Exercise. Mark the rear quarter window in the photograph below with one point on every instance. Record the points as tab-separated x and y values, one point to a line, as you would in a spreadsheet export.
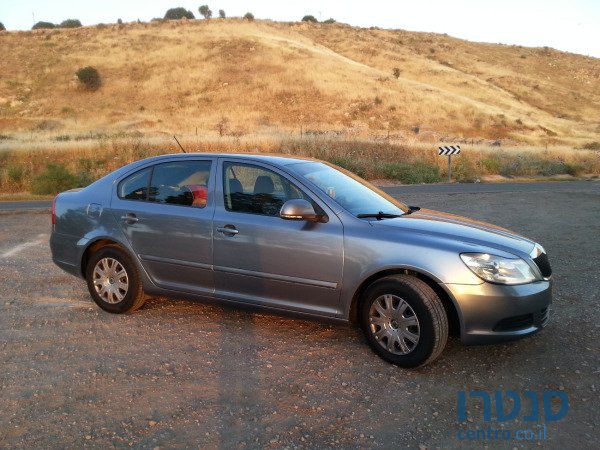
135	186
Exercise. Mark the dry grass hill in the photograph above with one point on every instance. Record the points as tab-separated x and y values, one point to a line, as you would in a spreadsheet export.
377	102
266	78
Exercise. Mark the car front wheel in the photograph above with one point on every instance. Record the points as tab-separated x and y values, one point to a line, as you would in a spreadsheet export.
114	282
404	320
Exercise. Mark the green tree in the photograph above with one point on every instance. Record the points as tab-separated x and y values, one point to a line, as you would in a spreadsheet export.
2	28
249	16
222	13
309	18
178	13
70	23
89	77
205	11
41	25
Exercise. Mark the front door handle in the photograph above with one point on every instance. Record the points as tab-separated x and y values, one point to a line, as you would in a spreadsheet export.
130	218
228	230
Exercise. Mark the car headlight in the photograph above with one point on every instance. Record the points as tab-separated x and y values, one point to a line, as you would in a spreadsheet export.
497	269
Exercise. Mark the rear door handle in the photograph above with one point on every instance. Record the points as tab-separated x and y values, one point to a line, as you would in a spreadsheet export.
228	230
130	218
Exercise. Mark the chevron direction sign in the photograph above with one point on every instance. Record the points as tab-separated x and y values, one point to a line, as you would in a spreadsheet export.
449	150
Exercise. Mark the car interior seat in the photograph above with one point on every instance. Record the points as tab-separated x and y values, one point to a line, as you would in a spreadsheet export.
264	202
236	195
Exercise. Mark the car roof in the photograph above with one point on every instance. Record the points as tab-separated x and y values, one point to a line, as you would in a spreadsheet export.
278	159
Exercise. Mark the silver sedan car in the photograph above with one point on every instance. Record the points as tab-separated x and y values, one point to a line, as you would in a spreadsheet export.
301	236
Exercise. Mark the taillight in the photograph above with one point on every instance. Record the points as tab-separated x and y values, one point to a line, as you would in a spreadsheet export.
54	210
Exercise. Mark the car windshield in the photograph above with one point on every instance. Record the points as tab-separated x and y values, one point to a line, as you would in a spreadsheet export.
351	192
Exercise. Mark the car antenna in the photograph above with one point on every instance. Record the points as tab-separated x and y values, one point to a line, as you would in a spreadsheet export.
182	149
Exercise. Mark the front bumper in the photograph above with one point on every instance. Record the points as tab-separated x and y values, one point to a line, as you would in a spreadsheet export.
491	313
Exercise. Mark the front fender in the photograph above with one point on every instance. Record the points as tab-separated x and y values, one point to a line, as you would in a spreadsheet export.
367	256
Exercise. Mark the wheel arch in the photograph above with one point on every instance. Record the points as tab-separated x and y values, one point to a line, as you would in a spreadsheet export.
93	247
449	303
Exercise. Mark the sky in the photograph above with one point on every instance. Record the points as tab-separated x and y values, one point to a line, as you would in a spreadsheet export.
568	25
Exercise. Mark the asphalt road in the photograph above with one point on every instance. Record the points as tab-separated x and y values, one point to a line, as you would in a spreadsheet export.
180	374
455	188
17	206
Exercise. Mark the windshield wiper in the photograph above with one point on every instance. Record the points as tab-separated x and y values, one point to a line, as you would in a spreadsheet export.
379	216
412	209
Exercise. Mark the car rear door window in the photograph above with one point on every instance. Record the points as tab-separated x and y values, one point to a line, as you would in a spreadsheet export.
183	183
256	190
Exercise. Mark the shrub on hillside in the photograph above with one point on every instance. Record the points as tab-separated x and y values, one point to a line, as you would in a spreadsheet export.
396	72
16	175
43	26
329	21
354	165
491	164
411	173
464	170
70	23
205	11
89	77
593	145
309	18
2	28
222	13
178	13
222	126
574	169
54	178
534	165
249	16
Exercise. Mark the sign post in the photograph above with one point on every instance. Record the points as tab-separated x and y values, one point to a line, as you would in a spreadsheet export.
449	150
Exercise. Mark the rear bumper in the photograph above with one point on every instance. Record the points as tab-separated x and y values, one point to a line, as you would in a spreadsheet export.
492	313
66	253
67	267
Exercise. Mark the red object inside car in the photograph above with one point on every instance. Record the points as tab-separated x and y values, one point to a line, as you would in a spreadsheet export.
199	193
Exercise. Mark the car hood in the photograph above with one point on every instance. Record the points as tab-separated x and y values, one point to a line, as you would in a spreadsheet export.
427	221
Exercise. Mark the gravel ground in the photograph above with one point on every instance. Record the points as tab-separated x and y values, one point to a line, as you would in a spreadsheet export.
180	374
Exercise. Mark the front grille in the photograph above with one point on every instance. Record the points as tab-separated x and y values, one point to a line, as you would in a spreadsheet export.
515	323
543	264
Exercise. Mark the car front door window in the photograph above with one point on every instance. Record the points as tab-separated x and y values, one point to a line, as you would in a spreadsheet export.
256	190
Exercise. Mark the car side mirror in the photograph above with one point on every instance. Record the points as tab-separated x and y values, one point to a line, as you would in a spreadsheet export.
299	209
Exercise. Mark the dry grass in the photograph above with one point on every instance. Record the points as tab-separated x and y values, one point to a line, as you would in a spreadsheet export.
266	78
405	163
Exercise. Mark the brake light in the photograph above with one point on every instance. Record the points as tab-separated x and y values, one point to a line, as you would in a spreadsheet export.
54	210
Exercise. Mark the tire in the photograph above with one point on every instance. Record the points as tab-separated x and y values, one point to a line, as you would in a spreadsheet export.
404	321
114	281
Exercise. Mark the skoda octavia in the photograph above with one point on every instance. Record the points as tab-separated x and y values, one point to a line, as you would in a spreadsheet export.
301	236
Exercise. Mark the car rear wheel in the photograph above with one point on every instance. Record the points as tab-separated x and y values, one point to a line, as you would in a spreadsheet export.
114	282
404	320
